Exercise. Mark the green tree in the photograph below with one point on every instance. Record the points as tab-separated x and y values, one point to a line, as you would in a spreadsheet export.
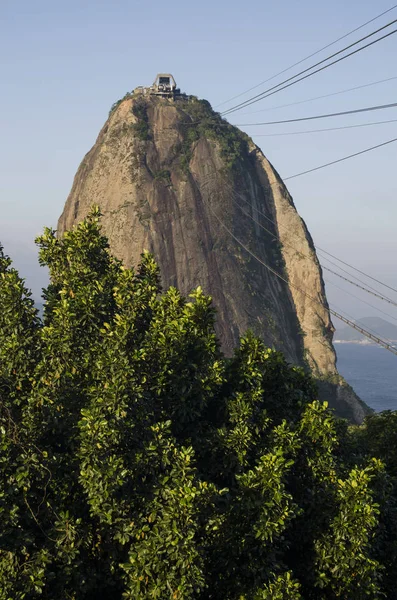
378	437
138	462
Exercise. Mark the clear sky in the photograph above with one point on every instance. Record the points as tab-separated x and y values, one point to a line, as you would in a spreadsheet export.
64	63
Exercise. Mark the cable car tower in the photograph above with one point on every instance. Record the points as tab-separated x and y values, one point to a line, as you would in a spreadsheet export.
164	86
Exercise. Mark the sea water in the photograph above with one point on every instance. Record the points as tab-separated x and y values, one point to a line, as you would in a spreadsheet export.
372	373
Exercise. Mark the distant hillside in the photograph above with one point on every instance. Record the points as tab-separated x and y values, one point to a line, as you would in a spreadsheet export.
376	325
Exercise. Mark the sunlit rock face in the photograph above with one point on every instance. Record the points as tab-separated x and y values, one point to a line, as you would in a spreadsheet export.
200	196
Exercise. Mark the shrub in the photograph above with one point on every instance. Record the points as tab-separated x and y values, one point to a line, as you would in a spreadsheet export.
118	102
138	462
141	127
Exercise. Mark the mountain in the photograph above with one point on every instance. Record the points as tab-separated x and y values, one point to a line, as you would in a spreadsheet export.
172	177
376	325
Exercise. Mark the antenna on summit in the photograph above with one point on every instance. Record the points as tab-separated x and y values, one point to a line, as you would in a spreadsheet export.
164	86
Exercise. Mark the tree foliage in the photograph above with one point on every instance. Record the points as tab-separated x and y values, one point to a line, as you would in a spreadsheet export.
138	462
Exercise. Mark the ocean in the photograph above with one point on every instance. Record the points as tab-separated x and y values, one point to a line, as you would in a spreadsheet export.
372	373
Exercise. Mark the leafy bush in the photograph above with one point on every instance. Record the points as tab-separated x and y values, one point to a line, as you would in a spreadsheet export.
209	124
138	462
118	102
163	175
141	127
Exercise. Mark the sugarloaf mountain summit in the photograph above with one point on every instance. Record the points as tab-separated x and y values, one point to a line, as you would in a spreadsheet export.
172	177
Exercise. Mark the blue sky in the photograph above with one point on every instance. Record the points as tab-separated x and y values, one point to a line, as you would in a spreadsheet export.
64	63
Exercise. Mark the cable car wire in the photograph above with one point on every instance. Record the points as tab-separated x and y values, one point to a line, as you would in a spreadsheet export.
328	282
356	269
309	56
361	287
287	133
318	248
334	162
369	335
305	254
320	256
324	116
353	89
374	292
273	90
276	237
346	314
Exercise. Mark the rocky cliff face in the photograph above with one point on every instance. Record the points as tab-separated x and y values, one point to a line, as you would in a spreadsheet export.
173	178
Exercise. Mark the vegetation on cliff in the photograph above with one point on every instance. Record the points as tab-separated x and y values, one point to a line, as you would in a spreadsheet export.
206	123
199	120
116	104
141	127
137	462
